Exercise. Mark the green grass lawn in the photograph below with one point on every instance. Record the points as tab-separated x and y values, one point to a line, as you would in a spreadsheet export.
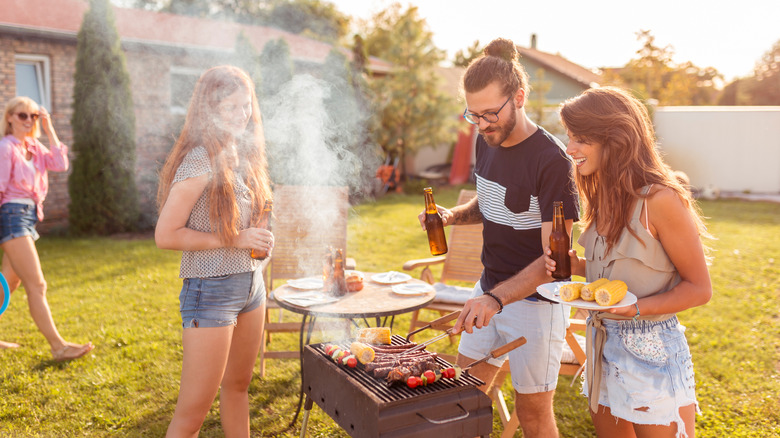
122	294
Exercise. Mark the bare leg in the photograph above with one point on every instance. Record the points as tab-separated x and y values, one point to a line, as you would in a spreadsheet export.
13	282
24	261
205	358
234	393
535	412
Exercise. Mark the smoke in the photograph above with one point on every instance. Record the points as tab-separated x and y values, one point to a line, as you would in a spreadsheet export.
312	131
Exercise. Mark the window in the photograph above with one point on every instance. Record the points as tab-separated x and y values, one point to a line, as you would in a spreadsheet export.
33	78
182	84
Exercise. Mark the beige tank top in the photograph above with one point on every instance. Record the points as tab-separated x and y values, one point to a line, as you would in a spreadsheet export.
645	268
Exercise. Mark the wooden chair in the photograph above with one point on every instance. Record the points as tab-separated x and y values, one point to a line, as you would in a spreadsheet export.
306	221
461	263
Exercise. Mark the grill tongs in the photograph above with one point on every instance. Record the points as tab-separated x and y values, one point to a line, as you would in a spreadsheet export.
439	324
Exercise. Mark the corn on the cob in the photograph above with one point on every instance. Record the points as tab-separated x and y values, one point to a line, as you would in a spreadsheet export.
571	291
587	292
363	352
374	335
611	293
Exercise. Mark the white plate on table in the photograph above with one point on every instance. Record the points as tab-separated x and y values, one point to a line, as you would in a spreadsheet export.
310	298
412	289
391	277
308	283
550	291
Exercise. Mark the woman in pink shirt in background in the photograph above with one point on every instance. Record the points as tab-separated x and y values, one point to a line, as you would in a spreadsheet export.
24	182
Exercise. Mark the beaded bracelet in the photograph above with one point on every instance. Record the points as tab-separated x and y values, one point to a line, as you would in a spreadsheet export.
498	300
637	311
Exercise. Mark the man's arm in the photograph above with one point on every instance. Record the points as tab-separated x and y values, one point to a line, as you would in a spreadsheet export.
464	214
478	311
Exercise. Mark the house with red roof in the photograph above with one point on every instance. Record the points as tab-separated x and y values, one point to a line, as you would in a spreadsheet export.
165	55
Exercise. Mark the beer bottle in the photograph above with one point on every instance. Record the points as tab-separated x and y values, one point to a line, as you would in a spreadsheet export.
327	269
434	225
265	222
560	244
339	284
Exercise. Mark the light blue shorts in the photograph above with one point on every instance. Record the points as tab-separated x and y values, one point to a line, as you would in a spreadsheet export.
535	365
217	301
17	220
646	364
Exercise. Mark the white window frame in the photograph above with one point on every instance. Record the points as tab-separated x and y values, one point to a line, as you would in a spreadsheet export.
188	71
41	63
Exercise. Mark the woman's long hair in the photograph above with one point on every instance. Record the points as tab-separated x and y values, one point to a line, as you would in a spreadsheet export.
15	105
620	123
199	129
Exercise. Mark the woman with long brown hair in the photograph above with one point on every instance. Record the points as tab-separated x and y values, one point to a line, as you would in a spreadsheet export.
212	190
641	226
24	183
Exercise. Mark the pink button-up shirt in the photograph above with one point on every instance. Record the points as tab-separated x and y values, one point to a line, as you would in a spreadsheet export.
18	180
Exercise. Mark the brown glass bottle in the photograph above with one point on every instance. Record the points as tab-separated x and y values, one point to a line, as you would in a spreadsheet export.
434	225
265	222
560	244
339	283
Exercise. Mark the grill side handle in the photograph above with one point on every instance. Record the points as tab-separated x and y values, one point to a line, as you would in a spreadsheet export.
447	420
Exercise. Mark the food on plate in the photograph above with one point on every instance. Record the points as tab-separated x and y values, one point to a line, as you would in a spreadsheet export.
363	352
588	291
374	335
571	291
611	293
354	281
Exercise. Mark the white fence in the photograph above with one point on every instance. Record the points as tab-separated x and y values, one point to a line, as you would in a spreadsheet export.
731	148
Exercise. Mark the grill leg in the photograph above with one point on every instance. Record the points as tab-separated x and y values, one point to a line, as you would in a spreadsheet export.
305	421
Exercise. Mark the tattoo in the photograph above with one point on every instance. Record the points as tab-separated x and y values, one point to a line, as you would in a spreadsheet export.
468	214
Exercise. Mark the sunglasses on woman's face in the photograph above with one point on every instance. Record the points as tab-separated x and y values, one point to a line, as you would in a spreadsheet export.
24	116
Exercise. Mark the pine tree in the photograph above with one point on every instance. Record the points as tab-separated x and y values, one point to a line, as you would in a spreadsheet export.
104	198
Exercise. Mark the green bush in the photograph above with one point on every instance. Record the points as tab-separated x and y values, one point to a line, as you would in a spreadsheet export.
104	198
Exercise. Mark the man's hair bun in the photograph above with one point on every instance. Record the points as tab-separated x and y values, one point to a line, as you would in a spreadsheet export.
502	48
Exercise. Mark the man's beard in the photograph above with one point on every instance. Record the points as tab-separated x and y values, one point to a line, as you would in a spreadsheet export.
499	132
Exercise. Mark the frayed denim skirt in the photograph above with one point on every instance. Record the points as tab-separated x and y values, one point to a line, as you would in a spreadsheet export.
647	373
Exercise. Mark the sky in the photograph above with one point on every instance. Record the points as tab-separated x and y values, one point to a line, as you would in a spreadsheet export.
728	35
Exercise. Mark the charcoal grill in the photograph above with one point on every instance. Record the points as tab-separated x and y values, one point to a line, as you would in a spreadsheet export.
365	406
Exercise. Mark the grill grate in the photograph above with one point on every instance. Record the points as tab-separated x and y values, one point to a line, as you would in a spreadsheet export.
400	391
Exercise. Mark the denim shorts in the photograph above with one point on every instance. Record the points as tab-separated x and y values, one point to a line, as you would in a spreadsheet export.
534	366
217	301
17	220
647	364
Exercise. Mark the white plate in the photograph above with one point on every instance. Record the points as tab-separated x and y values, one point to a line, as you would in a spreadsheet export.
412	289
308	299
391	277
308	283
550	291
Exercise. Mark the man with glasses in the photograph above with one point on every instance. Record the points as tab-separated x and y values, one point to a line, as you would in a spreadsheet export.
521	169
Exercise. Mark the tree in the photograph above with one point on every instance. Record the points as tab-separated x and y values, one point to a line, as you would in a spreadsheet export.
102	187
313	18
276	67
764	86
464	57
413	110
653	75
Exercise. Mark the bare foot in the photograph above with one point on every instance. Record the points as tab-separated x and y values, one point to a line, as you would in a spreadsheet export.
4	344
72	351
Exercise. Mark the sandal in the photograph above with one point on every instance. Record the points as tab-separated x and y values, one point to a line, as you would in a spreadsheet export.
72	351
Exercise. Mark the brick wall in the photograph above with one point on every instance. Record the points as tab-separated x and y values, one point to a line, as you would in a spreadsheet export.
156	126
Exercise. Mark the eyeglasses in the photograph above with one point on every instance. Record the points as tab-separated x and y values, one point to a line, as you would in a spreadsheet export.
24	116
490	117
